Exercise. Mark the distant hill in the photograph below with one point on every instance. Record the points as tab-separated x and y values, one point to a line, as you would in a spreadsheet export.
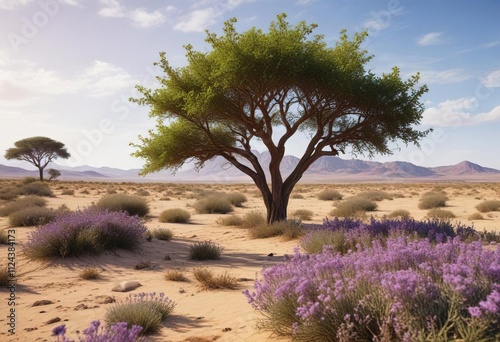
326	169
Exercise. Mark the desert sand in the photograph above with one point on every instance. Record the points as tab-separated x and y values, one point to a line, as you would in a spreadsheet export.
200	315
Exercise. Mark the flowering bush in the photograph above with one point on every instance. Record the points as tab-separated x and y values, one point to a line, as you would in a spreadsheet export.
116	333
406	291
146	310
86	232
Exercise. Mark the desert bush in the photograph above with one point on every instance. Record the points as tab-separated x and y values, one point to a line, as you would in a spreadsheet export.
146	310
329	195
176	215
375	195
133	205
175	275
475	216
162	234
400	213
303	214
29	180
90	273
290	229
9	193
230	220
432	199
489	205
440	214
205	250
22	203
68	192
213	205
37	189
352	206
377	293
253	218
142	192
32	216
297	196
116	332
86	232
236	199
4	276
143	264
210	281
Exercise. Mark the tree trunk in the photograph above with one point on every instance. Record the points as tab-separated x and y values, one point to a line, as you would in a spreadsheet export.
40	170
276	205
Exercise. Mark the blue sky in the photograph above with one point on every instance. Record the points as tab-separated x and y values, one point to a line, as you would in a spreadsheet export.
68	67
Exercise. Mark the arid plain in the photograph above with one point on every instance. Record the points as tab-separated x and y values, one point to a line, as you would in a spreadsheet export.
199	315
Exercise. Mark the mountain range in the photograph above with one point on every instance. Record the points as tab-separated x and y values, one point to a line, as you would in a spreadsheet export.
326	169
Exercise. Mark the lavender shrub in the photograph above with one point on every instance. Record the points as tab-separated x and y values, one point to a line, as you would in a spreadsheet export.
116	333
86	232
404	291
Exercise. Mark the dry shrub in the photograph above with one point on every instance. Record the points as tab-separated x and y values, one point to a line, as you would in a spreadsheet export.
22	203
433	199
164	234
440	214
487	206
210	281
175	275
253	218
175	215
230	220
205	250
475	216
37	189
375	195
290	229
236	199
133	205
213	205
400	213
68	192
303	214
32	216
90	273
329	195
353	206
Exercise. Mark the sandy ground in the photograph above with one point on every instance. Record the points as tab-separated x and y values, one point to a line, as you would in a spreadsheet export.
200	315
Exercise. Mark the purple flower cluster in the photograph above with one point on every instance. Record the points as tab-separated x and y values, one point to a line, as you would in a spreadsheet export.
116	333
86	232
399	290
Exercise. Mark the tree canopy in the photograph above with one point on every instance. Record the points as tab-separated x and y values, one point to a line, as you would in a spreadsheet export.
39	151
249	84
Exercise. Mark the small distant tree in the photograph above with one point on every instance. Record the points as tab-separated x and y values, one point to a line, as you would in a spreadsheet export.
39	151
53	173
267	87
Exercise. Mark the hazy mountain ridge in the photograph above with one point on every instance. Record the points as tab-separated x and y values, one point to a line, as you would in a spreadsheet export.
324	169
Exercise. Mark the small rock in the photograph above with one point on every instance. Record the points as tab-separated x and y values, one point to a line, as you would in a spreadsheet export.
105	300
226	329
167	257
53	320
181	290
81	307
42	302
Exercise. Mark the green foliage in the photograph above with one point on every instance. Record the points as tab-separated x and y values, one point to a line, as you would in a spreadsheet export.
303	214
213	205
176	215
32	216
329	195
246	84
211	281
133	205
37	189
487	206
39	151
22	203
353	206
433	199
205	250
54	174
163	234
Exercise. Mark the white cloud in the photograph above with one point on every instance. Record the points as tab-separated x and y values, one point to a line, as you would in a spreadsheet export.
443	77
455	113
140	17
22	82
11	4
492	80
433	38
198	20
492	44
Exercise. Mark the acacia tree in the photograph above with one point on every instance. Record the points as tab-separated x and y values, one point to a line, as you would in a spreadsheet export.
39	151
267	86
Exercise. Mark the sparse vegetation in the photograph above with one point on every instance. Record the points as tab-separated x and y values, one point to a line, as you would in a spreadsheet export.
253	218
90	273
213	205
175	275
211	281
440	214
176	215
162	234
375	195
475	216
236	199
433	199
400	213
489	205
290	229
205	250
37	189
329	195
353	206
68	192
147	310
133	205
32	216
230	220
303	214
22	203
